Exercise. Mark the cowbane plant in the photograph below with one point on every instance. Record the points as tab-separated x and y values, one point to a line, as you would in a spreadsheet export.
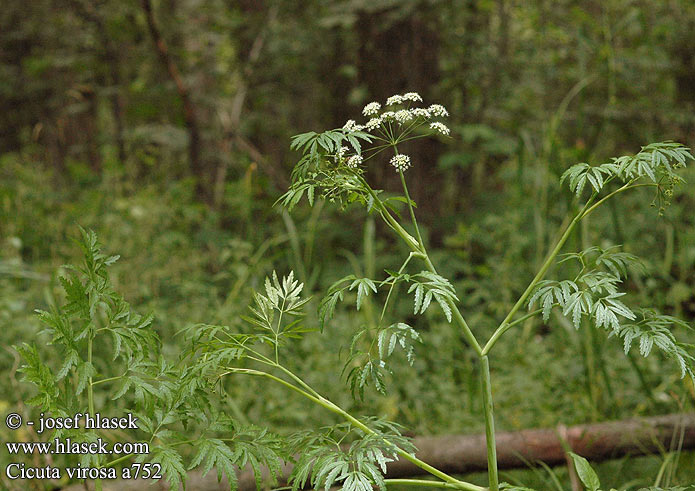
593	295
353	454
333	167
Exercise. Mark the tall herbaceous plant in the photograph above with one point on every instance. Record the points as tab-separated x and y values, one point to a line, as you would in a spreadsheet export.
332	167
169	398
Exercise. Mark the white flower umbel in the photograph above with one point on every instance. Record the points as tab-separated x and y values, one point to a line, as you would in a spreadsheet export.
438	110
350	125
401	162
403	116
373	124
340	155
388	116
371	109
412	96
394	99
354	161
440	128
421	112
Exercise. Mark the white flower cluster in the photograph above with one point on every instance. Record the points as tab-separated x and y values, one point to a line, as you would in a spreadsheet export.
394	99
440	127
412	96
354	161
403	116
401	162
400	99
373	123
438	110
341	153
371	109
350	125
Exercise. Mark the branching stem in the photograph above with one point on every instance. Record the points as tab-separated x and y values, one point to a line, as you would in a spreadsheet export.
539	276
325	403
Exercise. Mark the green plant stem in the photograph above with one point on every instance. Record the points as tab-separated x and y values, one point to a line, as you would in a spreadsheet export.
467	332
391	288
588	208
90	394
105	380
420	482
489	424
120	459
539	276
505	327
325	403
627	186
410	207
390	221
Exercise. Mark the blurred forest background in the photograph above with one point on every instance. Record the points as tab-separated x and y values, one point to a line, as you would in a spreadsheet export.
164	125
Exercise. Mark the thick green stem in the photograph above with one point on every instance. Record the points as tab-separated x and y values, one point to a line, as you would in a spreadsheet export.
539	276
489	424
588	208
392	222
325	403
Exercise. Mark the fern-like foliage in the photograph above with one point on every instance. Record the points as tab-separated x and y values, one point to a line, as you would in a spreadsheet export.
284	300
427	286
167	398
594	294
652	329
657	162
242	445
336	293
320	171
653	161
396	334
370	368
325	461
90	304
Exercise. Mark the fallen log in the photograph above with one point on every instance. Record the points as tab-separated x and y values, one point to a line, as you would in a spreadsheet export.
461	454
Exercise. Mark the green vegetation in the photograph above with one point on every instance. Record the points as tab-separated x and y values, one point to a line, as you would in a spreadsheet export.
169	141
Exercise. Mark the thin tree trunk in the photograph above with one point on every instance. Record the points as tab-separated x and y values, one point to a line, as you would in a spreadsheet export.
190	116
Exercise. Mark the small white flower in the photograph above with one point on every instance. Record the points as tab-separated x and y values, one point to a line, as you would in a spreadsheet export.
403	116
421	112
440	127
373	123
371	108
438	110
401	162
354	161
341	153
388	116
358	127
349	125
394	99
412	96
